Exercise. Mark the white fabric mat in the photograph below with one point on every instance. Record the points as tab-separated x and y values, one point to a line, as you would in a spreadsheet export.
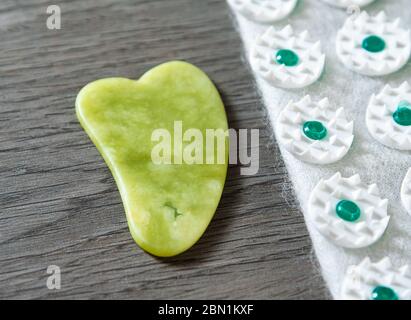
374	162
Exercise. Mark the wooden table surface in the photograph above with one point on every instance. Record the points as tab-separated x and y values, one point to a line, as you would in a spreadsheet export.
59	203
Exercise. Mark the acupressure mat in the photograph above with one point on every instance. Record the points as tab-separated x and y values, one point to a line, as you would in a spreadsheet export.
374	162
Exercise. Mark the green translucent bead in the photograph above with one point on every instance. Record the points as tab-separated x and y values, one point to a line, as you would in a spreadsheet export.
373	44
287	57
348	211
315	130
384	293
403	114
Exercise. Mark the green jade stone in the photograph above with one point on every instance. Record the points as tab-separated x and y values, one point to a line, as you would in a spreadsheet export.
403	114
348	211
287	57
373	44
168	206
314	130
384	293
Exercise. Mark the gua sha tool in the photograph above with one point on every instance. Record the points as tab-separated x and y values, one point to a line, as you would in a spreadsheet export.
388	117
348	212
315	132
377	281
406	192
348	3
287	60
373	45
168	206
264	11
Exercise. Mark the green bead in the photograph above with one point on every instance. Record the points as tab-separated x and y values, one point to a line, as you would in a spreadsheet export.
315	130
287	57
384	293
403	114
373	44
348	211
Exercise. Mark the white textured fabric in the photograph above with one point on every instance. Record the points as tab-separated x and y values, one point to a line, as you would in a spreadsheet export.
367	157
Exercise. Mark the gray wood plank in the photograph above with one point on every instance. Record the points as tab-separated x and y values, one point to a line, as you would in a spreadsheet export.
59	203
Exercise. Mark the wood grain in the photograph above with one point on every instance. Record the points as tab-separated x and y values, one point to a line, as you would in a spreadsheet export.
59	203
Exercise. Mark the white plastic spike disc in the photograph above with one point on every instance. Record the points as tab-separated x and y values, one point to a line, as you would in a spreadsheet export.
370	281
348	3
373	45
380	117
406	192
264	11
294	120
267	48
347	194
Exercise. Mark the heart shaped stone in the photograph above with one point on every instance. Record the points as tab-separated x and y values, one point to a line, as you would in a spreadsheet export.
168	205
